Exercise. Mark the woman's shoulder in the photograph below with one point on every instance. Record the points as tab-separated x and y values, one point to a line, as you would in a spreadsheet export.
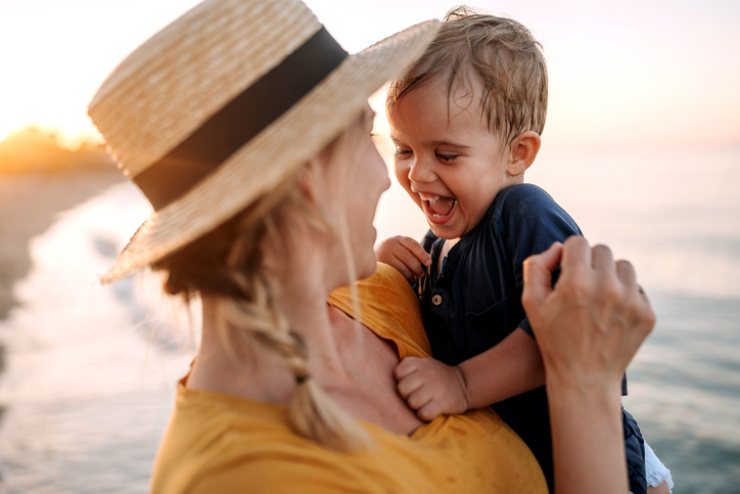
220	443
386	304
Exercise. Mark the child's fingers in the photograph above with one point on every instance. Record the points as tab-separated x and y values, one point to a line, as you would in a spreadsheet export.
405	254
417	250
409	261
407	366
429	411
418	399
409	385
403	269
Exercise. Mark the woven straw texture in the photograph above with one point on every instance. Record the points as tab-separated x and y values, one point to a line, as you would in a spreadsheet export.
171	84
151	103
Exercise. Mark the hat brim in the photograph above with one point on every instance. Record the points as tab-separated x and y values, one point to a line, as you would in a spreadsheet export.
288	143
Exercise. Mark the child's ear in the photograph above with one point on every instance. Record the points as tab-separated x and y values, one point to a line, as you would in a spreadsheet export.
523	151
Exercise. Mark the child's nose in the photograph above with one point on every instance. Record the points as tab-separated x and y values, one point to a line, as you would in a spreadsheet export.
420	171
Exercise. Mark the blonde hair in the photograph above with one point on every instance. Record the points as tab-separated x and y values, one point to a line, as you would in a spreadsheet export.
228	262
502	53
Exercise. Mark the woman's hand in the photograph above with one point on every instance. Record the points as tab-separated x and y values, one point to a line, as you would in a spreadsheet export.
590	325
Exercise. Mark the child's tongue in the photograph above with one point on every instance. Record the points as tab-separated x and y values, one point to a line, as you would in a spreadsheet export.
442	206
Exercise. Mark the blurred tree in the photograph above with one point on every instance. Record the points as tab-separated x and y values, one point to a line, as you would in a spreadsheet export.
34	150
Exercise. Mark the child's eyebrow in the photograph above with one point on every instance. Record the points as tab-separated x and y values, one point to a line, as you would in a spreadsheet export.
434	143
448	143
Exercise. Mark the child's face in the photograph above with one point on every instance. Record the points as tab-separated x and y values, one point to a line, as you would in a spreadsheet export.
451	165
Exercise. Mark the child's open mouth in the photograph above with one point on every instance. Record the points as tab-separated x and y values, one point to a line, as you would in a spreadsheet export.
438	209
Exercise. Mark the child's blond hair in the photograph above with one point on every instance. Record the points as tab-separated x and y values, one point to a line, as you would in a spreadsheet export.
502	53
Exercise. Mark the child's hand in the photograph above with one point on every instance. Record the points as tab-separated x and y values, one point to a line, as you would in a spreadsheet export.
405	254
430	387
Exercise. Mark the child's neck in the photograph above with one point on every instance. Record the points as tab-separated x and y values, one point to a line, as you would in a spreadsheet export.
448	244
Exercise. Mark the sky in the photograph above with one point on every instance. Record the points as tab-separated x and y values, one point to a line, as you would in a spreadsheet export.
627	72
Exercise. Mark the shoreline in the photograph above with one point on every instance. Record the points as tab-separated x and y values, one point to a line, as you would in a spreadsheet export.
29	205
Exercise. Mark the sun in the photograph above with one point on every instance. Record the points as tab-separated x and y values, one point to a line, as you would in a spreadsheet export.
7	129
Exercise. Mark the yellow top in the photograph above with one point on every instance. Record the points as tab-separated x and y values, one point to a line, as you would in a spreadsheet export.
217	443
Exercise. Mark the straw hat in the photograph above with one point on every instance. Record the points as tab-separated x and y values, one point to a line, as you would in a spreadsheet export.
221	105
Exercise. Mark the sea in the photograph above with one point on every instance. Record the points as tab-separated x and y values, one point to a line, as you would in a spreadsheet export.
90	370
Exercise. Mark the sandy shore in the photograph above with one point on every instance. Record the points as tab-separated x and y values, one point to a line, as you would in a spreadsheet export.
29	205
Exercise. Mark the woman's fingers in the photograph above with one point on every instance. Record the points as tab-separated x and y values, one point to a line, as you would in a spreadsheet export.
602	259
576	255
538	271
595	309
642	311
626	273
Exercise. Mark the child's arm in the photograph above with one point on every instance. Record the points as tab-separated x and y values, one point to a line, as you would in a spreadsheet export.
405	254
430	387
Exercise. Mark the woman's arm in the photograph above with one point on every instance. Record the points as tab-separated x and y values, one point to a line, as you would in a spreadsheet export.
588	327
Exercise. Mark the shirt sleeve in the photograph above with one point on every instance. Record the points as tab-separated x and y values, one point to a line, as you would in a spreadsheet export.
531	222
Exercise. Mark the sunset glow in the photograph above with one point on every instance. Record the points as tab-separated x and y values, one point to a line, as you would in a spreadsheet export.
620	73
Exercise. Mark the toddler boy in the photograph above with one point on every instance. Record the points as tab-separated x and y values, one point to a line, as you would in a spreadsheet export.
466	121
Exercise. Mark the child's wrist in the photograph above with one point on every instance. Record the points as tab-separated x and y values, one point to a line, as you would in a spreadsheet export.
463	381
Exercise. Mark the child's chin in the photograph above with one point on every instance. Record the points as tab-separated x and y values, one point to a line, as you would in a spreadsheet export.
444	233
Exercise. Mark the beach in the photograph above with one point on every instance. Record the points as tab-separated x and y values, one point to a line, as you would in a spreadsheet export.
29	205
91	370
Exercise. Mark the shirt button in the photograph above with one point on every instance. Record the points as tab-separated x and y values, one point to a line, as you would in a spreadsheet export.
436	299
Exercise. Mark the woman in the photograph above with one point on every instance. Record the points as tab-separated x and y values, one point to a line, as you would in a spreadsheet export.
247	128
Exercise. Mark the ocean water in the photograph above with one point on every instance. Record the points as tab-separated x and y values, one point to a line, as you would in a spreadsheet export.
90	370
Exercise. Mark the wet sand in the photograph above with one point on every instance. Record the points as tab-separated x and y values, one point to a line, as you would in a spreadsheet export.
29	205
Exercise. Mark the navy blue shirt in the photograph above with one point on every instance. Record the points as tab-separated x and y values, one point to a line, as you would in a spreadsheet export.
474	301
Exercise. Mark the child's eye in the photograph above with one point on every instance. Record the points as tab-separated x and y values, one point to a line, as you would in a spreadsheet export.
402	153
447	157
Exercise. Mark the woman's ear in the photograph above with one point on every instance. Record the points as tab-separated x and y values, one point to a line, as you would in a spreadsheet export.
312	177
523	151
307	180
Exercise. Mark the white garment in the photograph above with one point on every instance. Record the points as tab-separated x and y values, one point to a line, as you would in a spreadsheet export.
655	471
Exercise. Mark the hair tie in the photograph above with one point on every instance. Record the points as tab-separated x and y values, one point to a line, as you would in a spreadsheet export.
302	378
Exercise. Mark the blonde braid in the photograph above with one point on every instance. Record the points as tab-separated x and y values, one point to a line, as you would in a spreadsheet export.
312	413
228	263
